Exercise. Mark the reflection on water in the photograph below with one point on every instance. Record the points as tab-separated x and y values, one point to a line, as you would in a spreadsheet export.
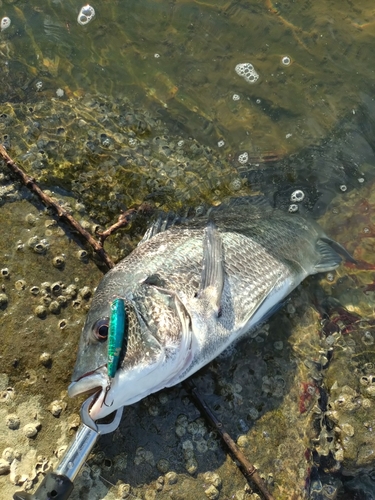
144	102
181	56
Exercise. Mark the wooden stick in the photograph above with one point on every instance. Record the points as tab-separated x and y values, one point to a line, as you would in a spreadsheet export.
247	468
30	183
124	220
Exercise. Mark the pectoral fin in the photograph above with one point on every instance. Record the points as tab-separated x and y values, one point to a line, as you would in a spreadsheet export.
212	277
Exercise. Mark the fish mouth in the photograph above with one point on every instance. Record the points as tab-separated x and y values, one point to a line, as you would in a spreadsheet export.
97	383
89	383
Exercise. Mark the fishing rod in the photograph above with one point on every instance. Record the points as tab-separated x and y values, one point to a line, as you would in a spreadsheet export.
59	485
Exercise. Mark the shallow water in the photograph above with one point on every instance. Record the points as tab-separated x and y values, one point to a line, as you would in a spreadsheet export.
138	104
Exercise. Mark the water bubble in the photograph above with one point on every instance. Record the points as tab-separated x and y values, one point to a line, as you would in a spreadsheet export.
293	208
86	14
343	188
5	23
361	180
297	195
286	61
156	56
221	144
236	97
243	158
258	101
39	86
59	92
247	71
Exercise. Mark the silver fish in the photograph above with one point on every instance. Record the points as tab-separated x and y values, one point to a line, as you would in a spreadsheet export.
192	289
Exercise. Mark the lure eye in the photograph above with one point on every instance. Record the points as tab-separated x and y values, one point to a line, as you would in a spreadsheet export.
100	330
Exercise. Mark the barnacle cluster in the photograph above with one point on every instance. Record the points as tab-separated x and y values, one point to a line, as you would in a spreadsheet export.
111	156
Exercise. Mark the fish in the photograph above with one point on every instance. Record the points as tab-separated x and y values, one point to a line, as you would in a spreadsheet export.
188	290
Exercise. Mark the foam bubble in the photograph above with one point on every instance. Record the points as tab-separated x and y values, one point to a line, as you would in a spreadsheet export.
293	208
286	61
247	71
243	158
86	14
297	195
5	23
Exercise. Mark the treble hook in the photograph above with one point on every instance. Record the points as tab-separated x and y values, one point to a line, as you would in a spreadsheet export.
106	392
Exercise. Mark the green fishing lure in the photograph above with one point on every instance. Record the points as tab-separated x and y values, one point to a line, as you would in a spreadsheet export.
116	335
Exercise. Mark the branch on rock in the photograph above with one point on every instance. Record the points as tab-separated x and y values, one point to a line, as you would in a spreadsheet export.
30	183
247	468
124	219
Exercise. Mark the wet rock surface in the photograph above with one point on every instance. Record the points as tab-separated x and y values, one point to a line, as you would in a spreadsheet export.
112	156
297	395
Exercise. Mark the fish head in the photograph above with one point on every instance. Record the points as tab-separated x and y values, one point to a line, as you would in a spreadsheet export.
154	350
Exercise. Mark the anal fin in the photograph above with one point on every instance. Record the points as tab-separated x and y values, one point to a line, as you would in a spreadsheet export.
329	258
339	249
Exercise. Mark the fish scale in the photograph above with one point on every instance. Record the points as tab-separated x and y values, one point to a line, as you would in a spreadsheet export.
191	290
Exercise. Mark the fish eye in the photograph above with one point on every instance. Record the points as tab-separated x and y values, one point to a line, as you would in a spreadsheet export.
100	329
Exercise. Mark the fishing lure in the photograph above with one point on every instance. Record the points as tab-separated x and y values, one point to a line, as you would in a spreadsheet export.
116	335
